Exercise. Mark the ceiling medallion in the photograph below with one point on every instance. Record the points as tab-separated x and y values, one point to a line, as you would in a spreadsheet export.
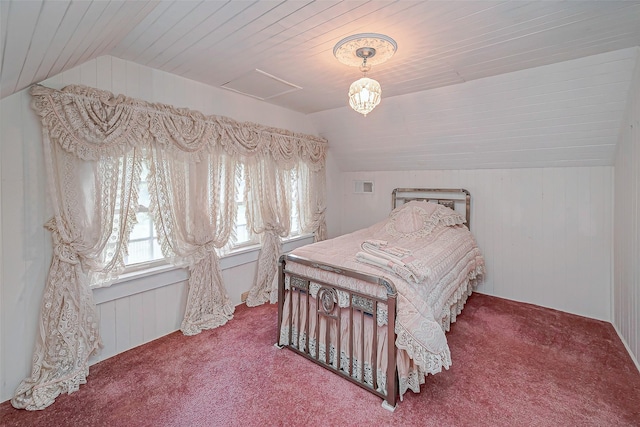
365	50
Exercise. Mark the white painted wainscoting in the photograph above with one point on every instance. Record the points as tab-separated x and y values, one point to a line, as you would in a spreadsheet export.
143	307
546	233
626	284
127	320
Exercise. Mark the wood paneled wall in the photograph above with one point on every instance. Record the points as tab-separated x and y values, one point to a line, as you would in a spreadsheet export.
26	247
142	317
546	233
626	285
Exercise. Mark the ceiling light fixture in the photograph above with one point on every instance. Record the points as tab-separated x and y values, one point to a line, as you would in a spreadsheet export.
365	50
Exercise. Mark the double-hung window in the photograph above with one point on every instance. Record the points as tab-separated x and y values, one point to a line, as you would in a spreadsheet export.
144	249
244	236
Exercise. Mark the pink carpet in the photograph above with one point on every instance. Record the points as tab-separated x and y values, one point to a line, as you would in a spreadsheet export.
514	364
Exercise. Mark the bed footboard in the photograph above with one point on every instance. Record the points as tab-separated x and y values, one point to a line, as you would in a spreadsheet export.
349	332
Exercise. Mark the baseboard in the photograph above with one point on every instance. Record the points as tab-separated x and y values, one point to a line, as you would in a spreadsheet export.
624	342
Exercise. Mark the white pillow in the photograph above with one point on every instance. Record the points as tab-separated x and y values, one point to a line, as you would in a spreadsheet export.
419	218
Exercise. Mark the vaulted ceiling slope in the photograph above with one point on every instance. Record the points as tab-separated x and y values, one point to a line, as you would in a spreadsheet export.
565	114
487	84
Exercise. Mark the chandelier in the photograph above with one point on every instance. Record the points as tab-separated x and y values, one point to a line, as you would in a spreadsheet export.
365	50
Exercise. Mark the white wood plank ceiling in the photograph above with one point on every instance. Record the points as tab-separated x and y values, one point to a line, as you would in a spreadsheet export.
565	114
440	43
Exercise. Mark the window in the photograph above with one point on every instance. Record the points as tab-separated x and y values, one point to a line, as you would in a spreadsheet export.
143	240
244	237
144	249
295	204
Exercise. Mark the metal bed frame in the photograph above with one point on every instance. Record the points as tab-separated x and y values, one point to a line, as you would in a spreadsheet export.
325	308
360	304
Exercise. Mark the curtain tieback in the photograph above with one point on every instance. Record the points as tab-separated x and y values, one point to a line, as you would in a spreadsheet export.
64	251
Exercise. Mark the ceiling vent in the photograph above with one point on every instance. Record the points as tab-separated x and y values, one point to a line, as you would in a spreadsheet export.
260	85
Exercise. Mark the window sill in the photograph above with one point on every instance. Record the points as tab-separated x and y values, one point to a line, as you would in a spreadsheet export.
147	279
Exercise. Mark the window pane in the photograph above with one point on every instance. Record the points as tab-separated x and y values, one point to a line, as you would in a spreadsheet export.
242	234
144	228
241	217
143	251
143	193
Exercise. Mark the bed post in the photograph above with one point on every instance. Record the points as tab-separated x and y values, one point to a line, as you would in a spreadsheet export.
467	200
392	380
281	284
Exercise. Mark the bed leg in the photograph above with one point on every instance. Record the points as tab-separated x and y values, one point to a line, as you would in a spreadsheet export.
386	405
278	346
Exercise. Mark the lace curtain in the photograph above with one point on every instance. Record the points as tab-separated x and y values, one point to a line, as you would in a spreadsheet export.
95	145
191	203
272	194
269	215
312	203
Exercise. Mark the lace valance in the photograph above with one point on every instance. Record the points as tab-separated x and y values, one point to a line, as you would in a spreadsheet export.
93	123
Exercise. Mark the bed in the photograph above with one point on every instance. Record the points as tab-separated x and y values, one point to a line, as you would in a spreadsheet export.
373	306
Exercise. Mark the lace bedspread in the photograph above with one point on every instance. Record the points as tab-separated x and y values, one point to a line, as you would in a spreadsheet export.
425	309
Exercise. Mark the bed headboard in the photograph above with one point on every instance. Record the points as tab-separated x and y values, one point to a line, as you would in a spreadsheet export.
457	199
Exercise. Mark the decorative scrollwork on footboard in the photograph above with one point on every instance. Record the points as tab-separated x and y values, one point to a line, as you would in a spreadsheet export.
327	298
299	282
362	303
391	290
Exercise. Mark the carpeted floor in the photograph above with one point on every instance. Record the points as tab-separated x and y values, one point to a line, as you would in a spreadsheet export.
514	364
